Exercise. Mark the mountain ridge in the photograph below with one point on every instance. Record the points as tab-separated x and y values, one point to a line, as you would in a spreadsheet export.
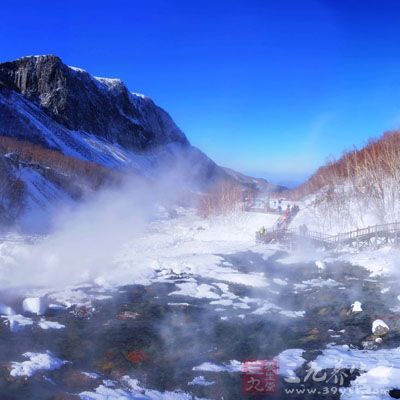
48	105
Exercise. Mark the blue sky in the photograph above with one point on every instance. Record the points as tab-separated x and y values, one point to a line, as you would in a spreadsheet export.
270	88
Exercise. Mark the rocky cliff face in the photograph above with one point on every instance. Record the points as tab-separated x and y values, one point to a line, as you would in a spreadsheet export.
81	102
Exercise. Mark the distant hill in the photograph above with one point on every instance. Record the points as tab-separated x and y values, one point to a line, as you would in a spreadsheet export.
258	184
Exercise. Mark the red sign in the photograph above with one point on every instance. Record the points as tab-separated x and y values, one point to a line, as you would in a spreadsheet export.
260	376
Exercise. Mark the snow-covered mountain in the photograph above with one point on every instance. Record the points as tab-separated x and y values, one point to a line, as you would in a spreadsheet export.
58	122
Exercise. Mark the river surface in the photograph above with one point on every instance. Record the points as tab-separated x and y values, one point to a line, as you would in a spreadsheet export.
164	333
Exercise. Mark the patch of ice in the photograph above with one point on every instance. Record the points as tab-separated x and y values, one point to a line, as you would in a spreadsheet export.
222	302
232	366
316	283
36	362
265	308
380	370
356	307
34	305
17	322
373	385
378	262
280	282
130	389
364	360
91	375
242	306
192	289
292	314
44	324
200	380
288	361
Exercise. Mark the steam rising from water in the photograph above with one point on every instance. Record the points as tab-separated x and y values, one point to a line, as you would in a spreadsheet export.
85	239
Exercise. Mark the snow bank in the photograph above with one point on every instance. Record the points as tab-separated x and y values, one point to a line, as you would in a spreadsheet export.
381	370
356	307
192	289
312	283
364	360
129	389
34	305
383	261
36	362
321	216
279	282
201	381
17	322
44	324
373	385
288	361
232	366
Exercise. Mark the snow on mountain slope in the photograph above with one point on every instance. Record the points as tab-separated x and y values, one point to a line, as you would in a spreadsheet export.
80	102
45	103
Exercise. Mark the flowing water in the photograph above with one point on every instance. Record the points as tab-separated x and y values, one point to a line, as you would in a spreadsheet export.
158	338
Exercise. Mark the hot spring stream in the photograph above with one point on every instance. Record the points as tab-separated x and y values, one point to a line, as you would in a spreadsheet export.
194	340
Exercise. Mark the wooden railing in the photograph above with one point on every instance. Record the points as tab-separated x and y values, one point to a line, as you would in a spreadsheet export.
391	227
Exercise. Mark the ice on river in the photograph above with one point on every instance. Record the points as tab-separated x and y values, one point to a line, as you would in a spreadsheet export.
45	324
128	388
288	360
36	362
380	370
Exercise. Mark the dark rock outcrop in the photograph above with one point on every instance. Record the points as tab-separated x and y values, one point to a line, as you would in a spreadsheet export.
80	102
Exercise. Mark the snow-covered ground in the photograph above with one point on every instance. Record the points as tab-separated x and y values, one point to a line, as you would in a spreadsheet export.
190	252
186	244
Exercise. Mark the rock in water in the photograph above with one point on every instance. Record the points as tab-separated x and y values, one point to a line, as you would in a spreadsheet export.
379	328
320	265
356	307
394	393
34	305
